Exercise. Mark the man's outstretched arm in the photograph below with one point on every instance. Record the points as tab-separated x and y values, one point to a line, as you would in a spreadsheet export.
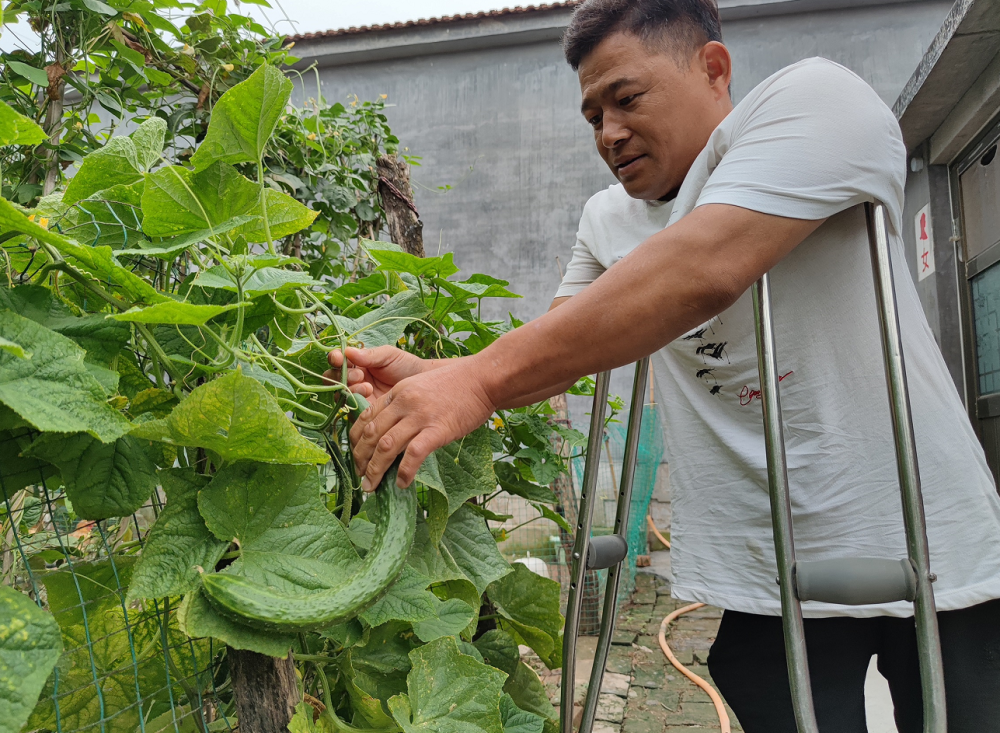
675	280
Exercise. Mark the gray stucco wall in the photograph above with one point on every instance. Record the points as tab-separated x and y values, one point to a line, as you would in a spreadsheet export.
501	125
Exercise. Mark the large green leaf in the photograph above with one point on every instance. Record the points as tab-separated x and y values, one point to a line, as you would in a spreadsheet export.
179	545
516	720
478	287
102	480
99	261
397	261
406	600
409	600
29	648
449	692
122	161
236	418
244	118
288	539
173	311
244	498
512	482
386	324
499	650
285	216
18	469
53	390
450	618
471	545
365	700
199	620
255	282
168	249
178	201
148	139
101	338
16	129
466	468
378	667
432	560
528	692
98	676
528	605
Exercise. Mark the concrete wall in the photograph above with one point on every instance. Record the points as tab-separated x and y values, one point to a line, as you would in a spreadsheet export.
499	120
501	125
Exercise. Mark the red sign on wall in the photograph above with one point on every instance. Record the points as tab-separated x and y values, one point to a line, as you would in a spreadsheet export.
925	242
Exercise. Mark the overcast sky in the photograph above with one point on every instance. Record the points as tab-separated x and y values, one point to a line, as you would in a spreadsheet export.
307	16
321	15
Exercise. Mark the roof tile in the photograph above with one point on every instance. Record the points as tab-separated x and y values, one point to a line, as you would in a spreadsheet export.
423	22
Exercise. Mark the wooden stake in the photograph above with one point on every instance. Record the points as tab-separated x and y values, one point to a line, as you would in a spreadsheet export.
405	227
266	691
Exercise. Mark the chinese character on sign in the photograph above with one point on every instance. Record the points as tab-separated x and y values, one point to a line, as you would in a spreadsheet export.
925	242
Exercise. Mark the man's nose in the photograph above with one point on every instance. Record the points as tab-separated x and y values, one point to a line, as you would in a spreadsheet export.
613	133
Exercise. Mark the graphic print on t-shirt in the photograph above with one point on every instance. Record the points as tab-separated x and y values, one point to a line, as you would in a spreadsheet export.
712	351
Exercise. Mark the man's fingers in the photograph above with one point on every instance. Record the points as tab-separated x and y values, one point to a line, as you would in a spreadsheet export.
390	445
355	375
420	446
335	358
372	358
367	429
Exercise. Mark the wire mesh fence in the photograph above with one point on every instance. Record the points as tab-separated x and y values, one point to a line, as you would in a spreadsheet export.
544	548
126	665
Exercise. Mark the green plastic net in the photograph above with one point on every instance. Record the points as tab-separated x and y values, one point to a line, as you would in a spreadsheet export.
648	461
544	547
125	665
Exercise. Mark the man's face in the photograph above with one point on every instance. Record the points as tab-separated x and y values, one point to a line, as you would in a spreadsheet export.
651	114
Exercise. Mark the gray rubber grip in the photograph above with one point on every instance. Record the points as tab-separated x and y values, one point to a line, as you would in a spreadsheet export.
856	581
606	551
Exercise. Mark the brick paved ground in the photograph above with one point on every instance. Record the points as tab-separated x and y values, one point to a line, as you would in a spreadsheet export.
642	692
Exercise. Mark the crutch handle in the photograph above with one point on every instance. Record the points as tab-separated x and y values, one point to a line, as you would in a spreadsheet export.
606	552
856	581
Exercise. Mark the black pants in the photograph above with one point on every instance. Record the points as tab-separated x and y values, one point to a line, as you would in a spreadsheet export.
747	662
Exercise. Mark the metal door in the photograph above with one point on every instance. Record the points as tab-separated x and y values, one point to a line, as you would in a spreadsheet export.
978	188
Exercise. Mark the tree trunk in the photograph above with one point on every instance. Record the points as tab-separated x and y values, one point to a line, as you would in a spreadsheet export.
405	227
53	121
266	691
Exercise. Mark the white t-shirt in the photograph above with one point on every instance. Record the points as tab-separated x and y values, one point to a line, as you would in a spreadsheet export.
812	141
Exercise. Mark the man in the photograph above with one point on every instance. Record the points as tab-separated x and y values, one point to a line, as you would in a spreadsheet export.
775	184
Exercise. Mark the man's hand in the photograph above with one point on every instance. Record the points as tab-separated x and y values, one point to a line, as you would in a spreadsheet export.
420	414
373	372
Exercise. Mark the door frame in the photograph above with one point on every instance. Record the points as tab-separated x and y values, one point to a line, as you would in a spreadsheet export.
979	408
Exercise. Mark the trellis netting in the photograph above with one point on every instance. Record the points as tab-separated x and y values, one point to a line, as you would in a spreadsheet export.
544	548
648	461
125	664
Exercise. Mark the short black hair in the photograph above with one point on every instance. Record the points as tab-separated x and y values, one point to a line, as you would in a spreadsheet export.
682	23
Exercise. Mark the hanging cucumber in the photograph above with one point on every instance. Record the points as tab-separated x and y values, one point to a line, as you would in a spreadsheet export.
265	608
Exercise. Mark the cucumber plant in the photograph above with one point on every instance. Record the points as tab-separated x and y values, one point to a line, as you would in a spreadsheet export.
159	339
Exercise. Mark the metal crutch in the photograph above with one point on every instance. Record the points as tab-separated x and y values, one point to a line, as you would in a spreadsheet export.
599	553
852	581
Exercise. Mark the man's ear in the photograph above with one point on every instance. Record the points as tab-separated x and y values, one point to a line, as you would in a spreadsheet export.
718	67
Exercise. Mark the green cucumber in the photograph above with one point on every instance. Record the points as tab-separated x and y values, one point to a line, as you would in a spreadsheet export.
261	607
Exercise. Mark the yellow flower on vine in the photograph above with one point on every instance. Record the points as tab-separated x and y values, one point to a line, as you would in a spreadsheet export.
497	423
